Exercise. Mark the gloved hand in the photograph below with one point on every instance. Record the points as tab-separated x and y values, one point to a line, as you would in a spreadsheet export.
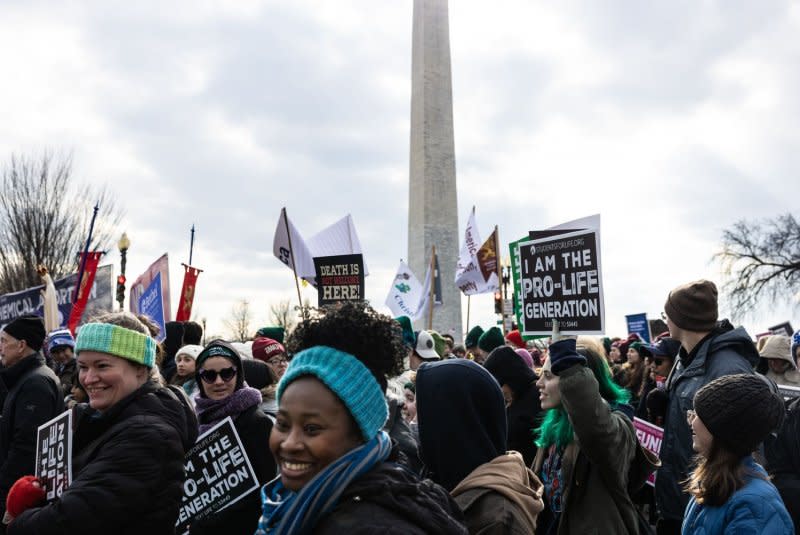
25	493
563	355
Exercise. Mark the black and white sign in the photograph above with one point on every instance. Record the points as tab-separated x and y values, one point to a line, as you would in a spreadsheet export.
54	454
339	278
561	279
218	474
789	392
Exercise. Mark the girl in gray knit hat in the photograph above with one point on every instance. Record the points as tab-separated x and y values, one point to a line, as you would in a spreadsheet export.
731	493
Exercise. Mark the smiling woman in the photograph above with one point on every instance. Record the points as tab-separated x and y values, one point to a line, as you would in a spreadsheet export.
129	442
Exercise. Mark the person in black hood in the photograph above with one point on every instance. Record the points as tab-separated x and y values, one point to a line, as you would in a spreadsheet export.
462	429
172	343
522	399
128	446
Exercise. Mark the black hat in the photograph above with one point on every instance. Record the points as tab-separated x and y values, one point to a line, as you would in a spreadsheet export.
28	328
257	374
219	348
739	410
693	306
665	347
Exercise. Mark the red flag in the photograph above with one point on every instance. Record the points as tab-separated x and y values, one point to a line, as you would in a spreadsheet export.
84	290
187	292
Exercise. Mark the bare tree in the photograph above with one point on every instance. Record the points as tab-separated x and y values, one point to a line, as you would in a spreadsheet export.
760	262
238	323
44	219
283	315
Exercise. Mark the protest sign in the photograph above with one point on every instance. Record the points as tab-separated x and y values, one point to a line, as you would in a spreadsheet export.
784	328
650	437
789	392
54	455
637	323
218	474
560	278
339	278
152	305
31	301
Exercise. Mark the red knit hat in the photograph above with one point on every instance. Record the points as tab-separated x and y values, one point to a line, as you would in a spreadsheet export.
265	348
515	338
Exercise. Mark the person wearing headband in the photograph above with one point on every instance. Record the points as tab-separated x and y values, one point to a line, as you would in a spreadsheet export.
128	445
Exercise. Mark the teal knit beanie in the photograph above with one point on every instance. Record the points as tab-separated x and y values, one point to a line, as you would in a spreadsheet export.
408	331
115	340
348	378
491	339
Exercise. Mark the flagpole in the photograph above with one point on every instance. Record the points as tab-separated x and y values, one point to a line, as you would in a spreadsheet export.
499	269
433	281
468	300
84	255
191	245
294	269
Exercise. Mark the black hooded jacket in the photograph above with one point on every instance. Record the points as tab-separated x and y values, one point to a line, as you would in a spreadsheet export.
524	412
783	460
127	469
461	419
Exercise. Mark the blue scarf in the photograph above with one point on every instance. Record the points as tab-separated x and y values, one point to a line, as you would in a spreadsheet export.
287	512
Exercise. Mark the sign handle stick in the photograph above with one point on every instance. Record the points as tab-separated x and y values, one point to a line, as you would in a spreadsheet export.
294	269
433	280
556	336
499	269
468	300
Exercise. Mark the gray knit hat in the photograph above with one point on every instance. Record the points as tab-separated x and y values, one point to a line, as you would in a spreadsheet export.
739	410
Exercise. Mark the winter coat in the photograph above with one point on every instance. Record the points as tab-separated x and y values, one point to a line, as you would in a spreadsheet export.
392	500
127	469
601	465
782	452
253	427
755	508
30	395
500	497
724	351
400	432
68	376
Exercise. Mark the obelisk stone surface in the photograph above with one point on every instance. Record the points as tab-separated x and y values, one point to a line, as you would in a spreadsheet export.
433	203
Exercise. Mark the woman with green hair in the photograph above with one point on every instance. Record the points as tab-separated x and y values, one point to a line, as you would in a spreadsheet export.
589	458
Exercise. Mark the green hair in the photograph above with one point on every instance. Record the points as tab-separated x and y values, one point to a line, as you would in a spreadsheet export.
556	427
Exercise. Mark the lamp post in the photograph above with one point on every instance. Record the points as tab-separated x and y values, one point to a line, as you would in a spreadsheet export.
123	244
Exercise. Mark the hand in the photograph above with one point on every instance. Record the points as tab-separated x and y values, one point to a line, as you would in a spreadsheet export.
25	493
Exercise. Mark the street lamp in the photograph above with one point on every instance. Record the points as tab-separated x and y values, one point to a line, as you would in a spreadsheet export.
123	244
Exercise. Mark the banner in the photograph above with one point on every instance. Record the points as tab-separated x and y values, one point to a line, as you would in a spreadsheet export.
75	315
340	238
218	474
160	266
561	278
339	278
407	296
637	323
151	305
31	301
476	271
190	275
54	455
650	437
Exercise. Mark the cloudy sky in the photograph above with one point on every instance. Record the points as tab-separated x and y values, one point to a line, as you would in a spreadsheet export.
670	119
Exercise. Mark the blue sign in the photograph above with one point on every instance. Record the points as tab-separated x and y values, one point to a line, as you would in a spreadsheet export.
151	305
637	323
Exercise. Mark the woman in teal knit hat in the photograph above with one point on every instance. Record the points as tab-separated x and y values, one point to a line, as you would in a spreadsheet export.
339	470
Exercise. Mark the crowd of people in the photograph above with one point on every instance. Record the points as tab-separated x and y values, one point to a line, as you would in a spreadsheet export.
354	422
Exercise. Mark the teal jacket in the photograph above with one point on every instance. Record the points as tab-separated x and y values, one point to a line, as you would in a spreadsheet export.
756	508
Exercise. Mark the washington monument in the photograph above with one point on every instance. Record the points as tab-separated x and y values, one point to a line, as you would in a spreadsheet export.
433	204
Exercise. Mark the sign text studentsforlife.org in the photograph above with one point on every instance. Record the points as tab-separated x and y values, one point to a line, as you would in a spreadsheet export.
560	278
54	454
218	474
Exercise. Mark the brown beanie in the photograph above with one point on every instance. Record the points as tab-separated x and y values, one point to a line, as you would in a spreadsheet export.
739	410
693	306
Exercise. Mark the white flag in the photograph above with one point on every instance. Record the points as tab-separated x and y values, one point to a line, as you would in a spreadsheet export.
470	278
472	242
407	296
298	251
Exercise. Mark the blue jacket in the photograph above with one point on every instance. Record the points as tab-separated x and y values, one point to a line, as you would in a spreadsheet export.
756	508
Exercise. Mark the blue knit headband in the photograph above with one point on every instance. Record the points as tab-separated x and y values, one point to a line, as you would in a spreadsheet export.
348	378
115	340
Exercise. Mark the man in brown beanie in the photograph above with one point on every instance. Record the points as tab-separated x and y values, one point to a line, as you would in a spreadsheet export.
30	395
709	349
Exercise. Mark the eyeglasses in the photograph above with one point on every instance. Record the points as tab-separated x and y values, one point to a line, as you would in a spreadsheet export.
210	376
277	361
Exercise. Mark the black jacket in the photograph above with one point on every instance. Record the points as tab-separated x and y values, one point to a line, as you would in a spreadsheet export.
401	433
30	395
392	500
253	427
68	376
127	469
783	460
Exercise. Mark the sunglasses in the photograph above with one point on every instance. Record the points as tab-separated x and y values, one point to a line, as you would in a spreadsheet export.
210	376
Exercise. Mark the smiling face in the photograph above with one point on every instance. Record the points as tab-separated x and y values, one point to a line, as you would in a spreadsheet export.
108	379
313	428
184	365
410	405
219	388
549	394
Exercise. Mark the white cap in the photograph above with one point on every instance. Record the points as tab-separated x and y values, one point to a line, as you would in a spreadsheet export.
425	346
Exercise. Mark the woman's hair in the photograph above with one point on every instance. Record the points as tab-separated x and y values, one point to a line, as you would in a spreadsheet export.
635	375
717	476
556	427
355	328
